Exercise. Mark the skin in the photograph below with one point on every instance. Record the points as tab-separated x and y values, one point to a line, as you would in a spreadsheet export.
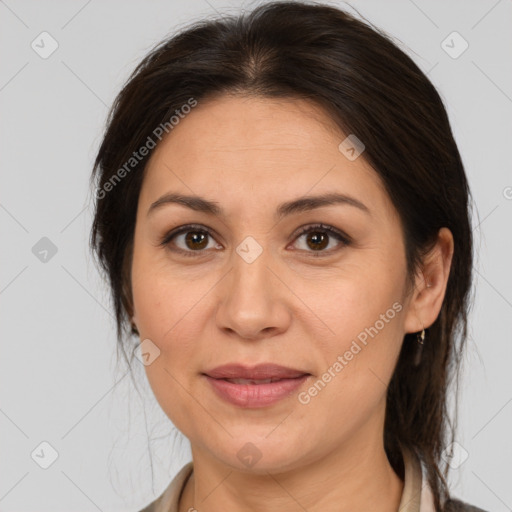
289	307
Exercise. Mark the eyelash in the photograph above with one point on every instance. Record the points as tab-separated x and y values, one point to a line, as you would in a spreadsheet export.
331	231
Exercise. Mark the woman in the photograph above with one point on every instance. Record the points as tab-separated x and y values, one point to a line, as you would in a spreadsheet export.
283	216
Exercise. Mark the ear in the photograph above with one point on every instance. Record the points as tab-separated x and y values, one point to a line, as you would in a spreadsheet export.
430	284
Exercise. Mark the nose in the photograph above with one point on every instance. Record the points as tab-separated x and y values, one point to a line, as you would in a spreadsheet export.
254	303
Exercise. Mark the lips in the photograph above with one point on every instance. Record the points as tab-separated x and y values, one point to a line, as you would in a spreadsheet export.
252	381
259	374
253	387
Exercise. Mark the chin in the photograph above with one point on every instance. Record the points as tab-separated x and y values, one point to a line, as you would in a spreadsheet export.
259	456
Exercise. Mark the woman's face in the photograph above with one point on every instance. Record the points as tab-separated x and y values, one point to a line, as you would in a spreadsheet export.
255	290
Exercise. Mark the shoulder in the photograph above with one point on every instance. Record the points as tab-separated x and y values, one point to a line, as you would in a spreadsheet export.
168	501
155	506
152	507
159	504
453	505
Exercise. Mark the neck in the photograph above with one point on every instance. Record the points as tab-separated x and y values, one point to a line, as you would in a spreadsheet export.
354	477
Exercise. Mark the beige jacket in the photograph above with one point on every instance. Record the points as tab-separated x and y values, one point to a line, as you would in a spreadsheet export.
416	495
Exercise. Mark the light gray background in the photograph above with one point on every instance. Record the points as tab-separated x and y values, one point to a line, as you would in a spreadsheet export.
59	382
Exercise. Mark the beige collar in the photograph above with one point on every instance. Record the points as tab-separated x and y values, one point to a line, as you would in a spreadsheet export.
416	495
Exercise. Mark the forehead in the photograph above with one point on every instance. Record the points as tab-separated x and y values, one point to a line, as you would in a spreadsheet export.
240	150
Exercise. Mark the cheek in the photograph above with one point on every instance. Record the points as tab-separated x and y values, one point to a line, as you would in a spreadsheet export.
174	311
170	314
353	298
163	295
167	311
364	313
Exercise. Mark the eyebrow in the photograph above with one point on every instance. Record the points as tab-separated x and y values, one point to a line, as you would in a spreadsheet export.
302	204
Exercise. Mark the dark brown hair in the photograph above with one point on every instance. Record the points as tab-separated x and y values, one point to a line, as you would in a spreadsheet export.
370	88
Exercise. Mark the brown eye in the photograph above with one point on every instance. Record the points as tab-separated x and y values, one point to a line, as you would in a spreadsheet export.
319	236
317	240
189	240
195	240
